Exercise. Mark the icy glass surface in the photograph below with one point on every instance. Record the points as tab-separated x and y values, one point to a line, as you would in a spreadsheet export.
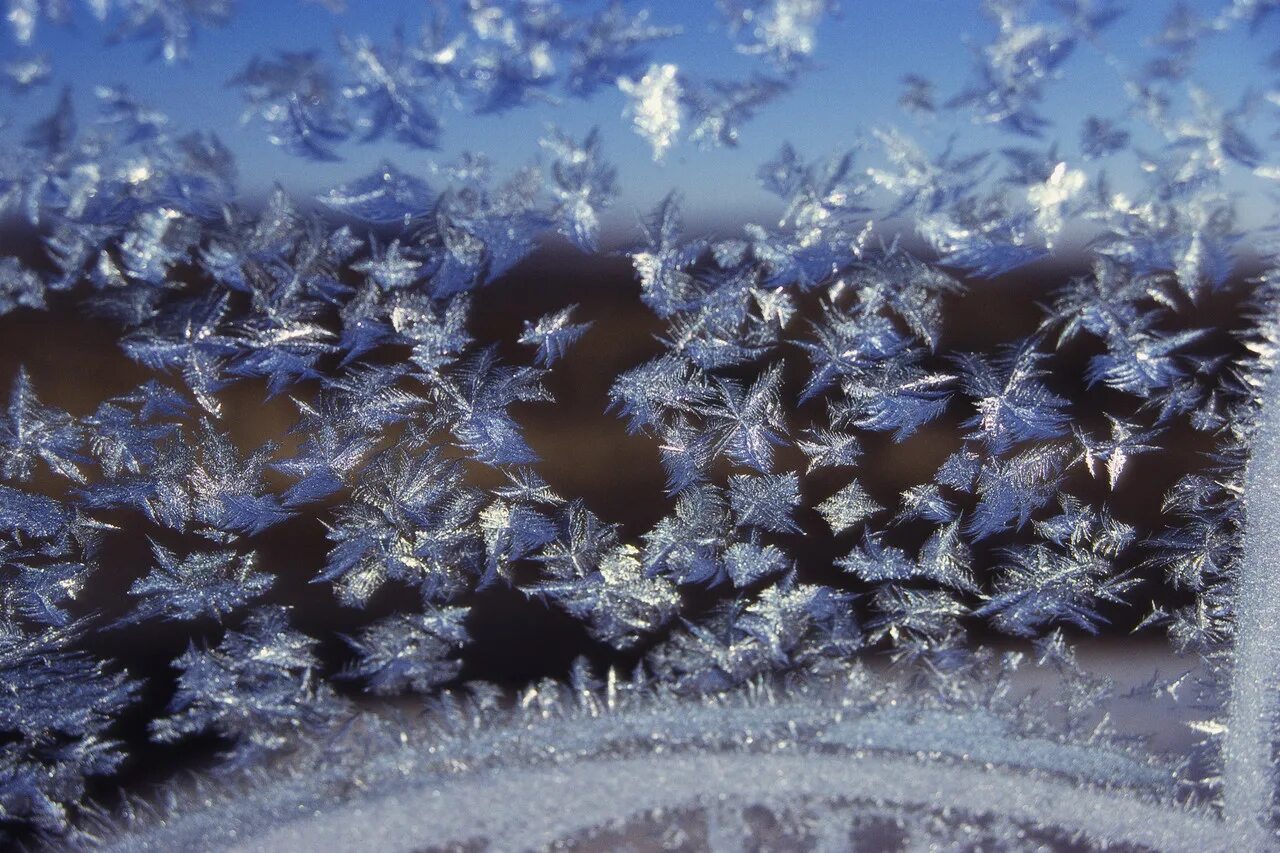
521	424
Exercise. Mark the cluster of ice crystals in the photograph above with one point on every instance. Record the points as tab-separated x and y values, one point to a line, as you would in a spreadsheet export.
172	23
791	359
785	31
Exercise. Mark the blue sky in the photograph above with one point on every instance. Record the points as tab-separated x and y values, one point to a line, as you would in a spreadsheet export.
860	59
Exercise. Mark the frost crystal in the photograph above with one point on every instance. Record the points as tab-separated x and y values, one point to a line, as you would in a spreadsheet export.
216	583
782	30
848	508
59	705
410	652
601	581
411	520
553	335
764	502
255	688
655	108
33	432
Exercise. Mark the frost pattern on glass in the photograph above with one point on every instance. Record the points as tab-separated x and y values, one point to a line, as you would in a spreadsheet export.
888	701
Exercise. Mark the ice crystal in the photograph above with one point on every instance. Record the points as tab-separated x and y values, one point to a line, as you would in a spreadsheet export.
1010	490
49	553
171	22
782	30
410	520
385	196
26	73
553	335
655	108
764	502
848	508
1013	403
894	394
1100	137
789	626
294	95
1013	69
749	562
874	561
584	186
1114	453
1040	585
829	449
214	582
254	688
60	704
719	108
601	580
410	651
34	432
688	544
386	93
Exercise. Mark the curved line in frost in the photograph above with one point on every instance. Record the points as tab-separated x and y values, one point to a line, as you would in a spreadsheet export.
534	779
522	808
